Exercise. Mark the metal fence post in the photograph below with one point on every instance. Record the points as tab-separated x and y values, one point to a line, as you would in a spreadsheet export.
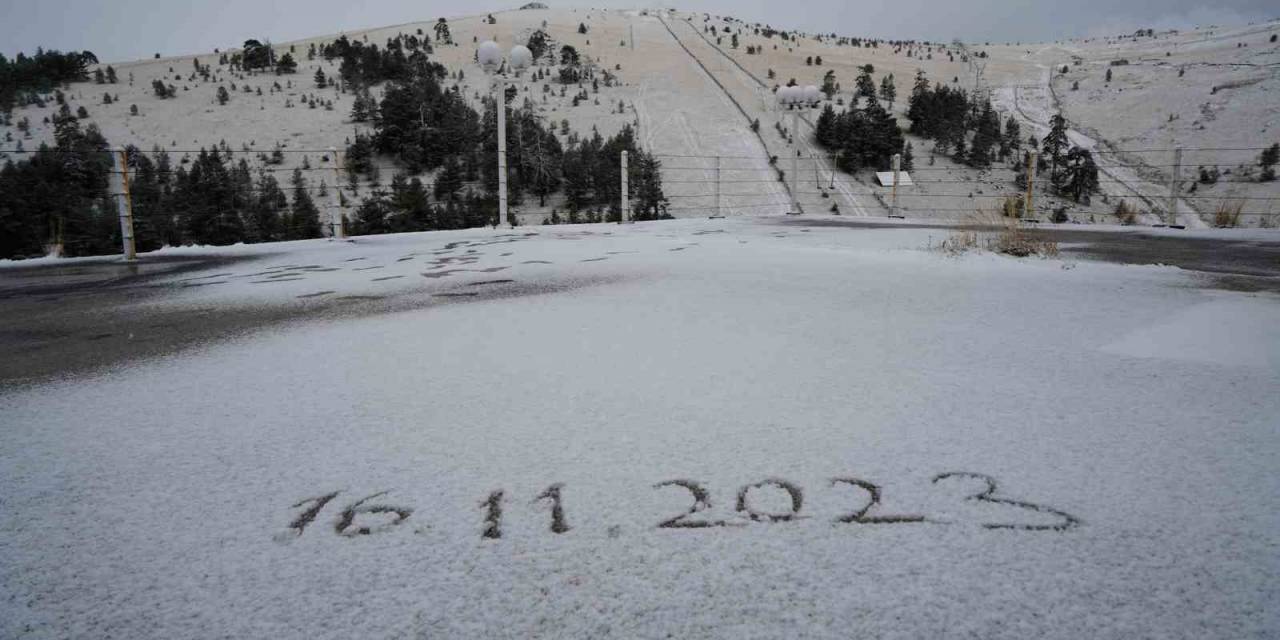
622	213
1173	187
897	167
339	229
719	211
1028	204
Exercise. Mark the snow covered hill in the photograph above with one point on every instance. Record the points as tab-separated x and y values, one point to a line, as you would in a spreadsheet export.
694	100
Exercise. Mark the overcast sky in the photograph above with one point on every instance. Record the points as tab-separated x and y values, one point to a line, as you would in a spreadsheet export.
129	29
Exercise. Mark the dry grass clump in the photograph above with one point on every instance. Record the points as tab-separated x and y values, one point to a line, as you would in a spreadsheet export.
1228	214
1012	207
959	242
996	233
1016	241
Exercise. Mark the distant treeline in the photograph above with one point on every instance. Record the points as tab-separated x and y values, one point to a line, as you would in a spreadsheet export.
41	73
59	198
59	194
423	125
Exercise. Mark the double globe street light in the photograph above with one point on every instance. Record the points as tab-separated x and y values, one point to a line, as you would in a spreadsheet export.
490	57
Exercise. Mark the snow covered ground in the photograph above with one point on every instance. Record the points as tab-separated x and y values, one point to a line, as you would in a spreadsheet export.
338	477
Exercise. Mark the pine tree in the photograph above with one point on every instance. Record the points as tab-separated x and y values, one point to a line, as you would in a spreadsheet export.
1267	161
1012	135
304	218
825	129
286	64
449	182
888	92
321	80
1055	144
1081	175
865	86
648	200
986	137
829	84
920	94
223	96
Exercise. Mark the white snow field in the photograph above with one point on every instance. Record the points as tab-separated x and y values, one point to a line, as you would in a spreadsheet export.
1125	416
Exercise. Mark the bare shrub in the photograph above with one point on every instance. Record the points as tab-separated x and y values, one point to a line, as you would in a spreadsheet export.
1015	241
1228	214
990	230
1012	207
1125	213
959	242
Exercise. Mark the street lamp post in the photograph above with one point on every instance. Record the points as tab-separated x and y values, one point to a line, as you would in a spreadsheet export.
490	57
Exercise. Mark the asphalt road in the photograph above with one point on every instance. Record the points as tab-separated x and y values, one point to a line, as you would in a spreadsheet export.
78	318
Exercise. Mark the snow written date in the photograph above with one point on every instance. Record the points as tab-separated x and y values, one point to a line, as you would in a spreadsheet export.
864	510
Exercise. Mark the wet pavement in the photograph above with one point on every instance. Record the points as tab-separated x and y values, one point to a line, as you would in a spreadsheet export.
1240	265
80	317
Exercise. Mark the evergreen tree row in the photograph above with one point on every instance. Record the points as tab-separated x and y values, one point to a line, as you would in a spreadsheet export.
364	64
40	73
58	197
966	128
862	138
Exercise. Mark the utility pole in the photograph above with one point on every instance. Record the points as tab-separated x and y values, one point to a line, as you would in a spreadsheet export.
1028	206
1173	188
124	204
626	196
339	230
897	167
